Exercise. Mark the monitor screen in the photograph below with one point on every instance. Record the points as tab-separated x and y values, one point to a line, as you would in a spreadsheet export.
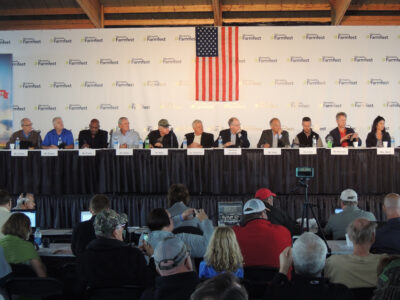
31	214
85	216
229	213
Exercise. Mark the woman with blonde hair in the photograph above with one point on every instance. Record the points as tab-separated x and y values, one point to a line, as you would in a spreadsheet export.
223	255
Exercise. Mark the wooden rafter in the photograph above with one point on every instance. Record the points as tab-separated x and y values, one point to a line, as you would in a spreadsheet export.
339	8
92	8
370	20
216	4
45	24
159	22
42	11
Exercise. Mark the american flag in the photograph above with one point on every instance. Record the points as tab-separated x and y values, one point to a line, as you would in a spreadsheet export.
217	63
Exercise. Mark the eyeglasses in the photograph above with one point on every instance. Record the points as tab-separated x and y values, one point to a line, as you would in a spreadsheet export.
27	125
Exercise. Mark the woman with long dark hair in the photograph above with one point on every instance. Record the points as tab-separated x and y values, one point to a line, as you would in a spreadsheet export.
378	133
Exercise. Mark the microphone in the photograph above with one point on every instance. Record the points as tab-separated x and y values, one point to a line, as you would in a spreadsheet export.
239	134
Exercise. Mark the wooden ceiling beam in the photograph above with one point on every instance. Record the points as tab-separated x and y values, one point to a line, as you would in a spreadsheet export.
375	7
276	7
42	11
275	20
371	20
93	10
216	4
156	9
158	22
44	24
339	8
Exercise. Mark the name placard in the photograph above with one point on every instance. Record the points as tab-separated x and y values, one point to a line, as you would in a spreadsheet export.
49	152
124	152
158	151
195	151
272	151
308	151
385	151
19	152
87	152
232	151
340	151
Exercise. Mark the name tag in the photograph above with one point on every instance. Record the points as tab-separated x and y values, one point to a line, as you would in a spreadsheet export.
272	151
158	151
49	152
385	151
307	151
339	151
124	152
195	151
87	152
232	151
19	152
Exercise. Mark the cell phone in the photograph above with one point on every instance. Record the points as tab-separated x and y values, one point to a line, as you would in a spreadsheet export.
145	237
338	210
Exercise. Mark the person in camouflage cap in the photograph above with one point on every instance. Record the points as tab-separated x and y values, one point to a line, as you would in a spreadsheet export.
109	223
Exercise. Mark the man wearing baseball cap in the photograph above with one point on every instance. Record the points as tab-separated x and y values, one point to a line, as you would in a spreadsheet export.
337	223
163	137
173	263
275	215
260	241
108	261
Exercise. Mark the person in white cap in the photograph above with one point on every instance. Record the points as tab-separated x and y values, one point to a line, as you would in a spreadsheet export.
260	241
337	223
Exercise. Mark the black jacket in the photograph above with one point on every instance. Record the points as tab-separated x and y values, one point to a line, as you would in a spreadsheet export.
372	140
302	288
241	142
82	235
174	287
207	139
307	141
336	137
279	217
112	263
168	141
99	141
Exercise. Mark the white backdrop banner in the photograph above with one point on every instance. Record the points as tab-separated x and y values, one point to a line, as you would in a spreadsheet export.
147	74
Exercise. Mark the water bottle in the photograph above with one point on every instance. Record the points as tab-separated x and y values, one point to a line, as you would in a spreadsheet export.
140	144
59	141
329	141
115	143
184	143
17	144
314	142
76	144
220	145
147	143
393	142
38	237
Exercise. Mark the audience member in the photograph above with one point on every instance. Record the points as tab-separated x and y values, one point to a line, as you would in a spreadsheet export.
308	258
5	207
26	201
83	232
337	223
173	263
388	286
387	237
222	287
223	255
17	249
357	270
260	241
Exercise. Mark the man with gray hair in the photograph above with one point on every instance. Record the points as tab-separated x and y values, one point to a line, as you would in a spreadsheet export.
357	270
29	138
59	137
199	138
308	258
108	261
387	237
126	137
25	201
234	136
337	223
173	263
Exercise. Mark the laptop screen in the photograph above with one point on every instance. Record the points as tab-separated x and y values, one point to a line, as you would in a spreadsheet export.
85	216
31	214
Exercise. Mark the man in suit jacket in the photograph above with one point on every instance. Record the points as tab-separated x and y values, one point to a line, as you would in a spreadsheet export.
199	138
274	137
94	137
233	137
343	136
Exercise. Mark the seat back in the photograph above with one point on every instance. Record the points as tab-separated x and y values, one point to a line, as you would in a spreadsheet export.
256	279
363	293
33	287
127	292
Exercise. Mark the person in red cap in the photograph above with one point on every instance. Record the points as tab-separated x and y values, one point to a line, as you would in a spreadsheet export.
275	215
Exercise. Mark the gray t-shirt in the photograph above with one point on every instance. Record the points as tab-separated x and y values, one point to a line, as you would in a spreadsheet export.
337	223
131	138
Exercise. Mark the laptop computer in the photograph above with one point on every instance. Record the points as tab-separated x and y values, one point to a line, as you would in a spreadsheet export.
31	214
85	216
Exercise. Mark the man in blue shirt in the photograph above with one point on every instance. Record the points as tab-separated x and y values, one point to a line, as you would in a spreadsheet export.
59	137
387	237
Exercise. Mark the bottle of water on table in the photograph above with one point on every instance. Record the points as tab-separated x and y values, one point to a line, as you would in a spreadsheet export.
38	237
184	143
220	145
17	143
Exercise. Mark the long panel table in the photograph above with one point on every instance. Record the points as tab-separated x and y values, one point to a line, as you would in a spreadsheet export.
210	174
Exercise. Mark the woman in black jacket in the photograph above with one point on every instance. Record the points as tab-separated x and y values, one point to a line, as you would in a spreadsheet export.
378	133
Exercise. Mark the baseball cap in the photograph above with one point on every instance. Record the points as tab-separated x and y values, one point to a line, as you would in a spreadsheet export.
163	123
107	220
349	195
253	206
169	253
264	193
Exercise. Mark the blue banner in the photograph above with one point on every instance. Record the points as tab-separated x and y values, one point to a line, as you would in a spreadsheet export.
6	101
